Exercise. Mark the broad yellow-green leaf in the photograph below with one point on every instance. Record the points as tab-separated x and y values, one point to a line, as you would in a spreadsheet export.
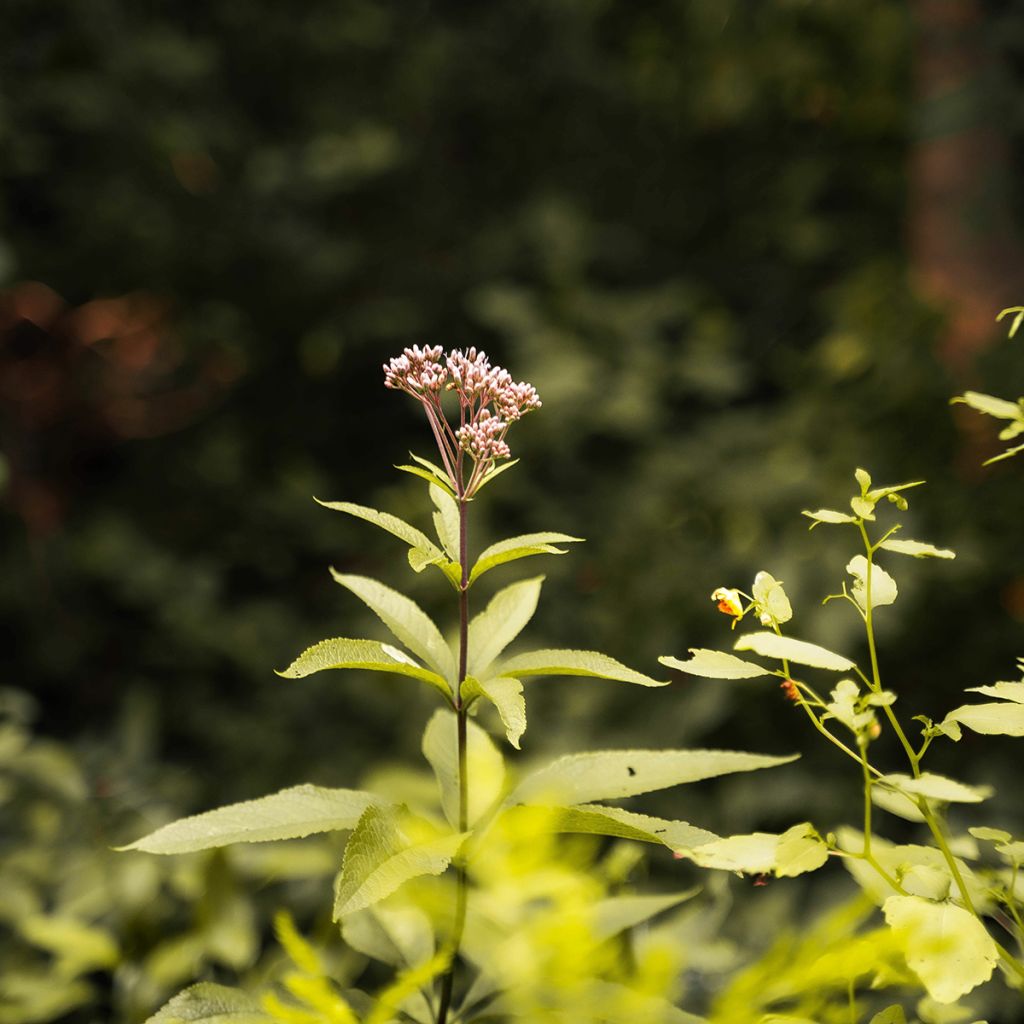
864	508
936	787
290	814
613	774
883	586
800	850
79	947
422	550
769	645
990	405
900	804
573	663
947	947
522	546
446	520
617	913
506	694
500	623
916	549
749	854
715	665
212	1004
827	515
1004	719
594	819
1004	691
409	623
360	654
771	599
485	766
380	857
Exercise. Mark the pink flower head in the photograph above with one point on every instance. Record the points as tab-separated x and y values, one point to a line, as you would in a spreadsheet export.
417	371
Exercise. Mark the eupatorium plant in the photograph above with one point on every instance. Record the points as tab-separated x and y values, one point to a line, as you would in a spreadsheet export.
431	888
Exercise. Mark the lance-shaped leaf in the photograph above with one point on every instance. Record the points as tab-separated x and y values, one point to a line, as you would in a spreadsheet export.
597	820
422	550
523	546
495	471
446	520
827	515
715	665
991	406
617	913
212	1004
1004	691
506	694
770	645
573	663
379	858
426	470
501	622
1004	719
360	654
409	623
935	787
883	586
916	548
612	774
290	814
484	764
947	947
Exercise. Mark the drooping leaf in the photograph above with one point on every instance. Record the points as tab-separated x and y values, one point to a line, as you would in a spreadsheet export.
425	550
213	1004
612	774
360	654
506	694
379	858
916	548
290	814
446	520
936	787
770	645
947	947
573	663
485	766
1003	719
827	515
715	665
615	914
883	586
523	546
501	622
1004	691
409	623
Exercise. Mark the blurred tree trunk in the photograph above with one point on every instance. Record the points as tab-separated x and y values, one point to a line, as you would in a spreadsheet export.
965	254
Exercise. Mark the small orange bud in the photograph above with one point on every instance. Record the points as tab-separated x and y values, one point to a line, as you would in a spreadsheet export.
790	690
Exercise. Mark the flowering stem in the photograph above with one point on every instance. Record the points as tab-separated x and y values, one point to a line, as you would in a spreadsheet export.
460	716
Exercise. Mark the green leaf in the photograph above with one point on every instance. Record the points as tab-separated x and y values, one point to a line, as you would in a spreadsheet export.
573	663
936	787
886	492
594	819
801	849
617	913
890	1015
827	515
715	665
494	471
215	1004
379	858
505	616
400	936
746	854
360	654
883	586
506	694
863	478
79	947
435	470
523	546
485	766
769	645
613	774
916	549
1009	453
426	552
1004	691
1004	719
425	474
771	600
290	814
990	405
446	520
863	507
409	623
947	947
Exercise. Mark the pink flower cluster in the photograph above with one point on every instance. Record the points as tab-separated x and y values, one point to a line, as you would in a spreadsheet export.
489	401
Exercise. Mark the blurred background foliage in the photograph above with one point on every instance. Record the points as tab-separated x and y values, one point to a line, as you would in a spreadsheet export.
739	247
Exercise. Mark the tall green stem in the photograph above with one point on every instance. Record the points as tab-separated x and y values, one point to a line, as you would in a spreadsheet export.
460	717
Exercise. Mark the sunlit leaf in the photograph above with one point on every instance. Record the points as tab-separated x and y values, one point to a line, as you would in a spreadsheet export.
573	663
827	515
990	405
1004	719
501	622
916	548
409	623
715	665
522	546
746	854
425	550
446	520
800	849
936	787
1004	691
360	654
615	914
883	586
289	814
771	599
214	1004
769	645
506	694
